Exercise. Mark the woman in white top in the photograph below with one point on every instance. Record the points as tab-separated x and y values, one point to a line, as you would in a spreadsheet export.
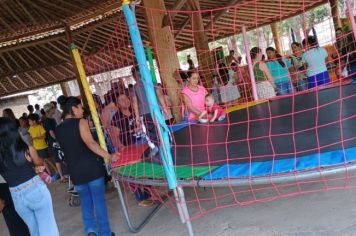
315	59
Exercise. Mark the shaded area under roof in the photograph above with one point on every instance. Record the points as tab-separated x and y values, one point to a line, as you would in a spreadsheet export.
34	50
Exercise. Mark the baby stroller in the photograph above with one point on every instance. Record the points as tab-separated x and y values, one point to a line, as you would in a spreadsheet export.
74	199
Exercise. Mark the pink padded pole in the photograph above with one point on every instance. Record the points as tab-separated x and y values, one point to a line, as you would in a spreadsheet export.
249	63
351	16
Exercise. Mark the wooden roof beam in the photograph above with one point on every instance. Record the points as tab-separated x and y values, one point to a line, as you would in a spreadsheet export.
26	11
221	13
54	6
182	26
170	17
22	59
7	26
12	83
14	15
22	81
40	76
6	63
34	55
63	51
22	71
13	60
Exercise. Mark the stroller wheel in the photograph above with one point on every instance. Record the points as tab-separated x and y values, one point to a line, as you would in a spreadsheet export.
74	201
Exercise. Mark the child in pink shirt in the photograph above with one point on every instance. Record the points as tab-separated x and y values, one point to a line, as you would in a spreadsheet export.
194	96
213	111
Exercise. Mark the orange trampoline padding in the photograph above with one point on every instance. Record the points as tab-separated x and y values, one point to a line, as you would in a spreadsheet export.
130	155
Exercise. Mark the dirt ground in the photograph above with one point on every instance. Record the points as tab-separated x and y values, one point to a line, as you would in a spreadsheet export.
324	213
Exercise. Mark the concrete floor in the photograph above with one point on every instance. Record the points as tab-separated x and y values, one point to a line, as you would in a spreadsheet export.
325	213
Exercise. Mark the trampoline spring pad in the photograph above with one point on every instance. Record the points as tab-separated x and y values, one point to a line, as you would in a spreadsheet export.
283	166
150	170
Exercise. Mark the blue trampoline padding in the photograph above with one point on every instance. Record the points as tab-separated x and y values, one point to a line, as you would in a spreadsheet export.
181	125
265	168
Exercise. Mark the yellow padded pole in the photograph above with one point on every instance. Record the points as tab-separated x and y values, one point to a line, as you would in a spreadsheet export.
88	95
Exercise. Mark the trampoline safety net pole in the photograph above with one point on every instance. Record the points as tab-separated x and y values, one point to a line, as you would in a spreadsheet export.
249	63
157	116
88	95
152	67
351	16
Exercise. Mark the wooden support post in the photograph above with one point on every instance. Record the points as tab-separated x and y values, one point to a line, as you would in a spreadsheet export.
206	64
276	37
335	13
64	88
81	89
163	47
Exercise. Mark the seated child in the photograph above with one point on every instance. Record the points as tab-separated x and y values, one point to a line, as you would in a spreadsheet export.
213	111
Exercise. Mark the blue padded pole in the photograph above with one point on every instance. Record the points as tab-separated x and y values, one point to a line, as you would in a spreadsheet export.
157	116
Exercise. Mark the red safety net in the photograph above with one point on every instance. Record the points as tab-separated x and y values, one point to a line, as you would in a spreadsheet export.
279	141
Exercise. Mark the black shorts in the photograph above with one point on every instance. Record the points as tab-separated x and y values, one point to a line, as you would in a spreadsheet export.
54	153
43	153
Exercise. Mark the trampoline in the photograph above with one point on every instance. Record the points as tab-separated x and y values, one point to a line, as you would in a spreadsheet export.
246	145
254	145
294	138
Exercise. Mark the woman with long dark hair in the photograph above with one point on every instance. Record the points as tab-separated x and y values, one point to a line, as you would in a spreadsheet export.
278	67
30	195
13	221
86	167
300	77
264	82
7	112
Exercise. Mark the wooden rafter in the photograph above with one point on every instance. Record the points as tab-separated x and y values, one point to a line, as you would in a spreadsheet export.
177	6
12	59
4	88
6	63
64	52
40	76
9	79
22	59
13	14
19	78
7	25
38	67
86	41
182	26
42	13
56	7
26	11
221	13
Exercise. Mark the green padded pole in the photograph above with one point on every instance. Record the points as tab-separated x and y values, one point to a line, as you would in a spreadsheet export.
152	68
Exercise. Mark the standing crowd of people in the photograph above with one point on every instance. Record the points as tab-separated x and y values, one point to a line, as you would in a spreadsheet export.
29	162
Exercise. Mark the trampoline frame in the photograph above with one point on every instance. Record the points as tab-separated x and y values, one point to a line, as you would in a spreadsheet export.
236	182
242	182
132	226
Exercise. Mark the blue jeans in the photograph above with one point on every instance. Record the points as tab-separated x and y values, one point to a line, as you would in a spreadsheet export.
318	79
301	85
92	199
352	72
33	203
284	88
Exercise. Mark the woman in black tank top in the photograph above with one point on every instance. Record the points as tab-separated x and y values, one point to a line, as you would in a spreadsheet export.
86	167
30	195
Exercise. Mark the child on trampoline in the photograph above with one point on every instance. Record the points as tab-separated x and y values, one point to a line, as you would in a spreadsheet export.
213	111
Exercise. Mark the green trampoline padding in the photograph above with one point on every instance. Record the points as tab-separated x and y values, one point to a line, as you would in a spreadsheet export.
150	170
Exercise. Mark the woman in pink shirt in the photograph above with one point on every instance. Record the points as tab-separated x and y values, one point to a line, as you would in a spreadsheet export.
194	96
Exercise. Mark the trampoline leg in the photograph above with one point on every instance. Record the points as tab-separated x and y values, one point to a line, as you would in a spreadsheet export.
182	209
132	227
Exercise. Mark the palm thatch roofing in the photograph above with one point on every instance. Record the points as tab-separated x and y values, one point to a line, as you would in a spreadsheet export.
34	46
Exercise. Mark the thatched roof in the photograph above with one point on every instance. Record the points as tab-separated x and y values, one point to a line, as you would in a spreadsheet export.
34	48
